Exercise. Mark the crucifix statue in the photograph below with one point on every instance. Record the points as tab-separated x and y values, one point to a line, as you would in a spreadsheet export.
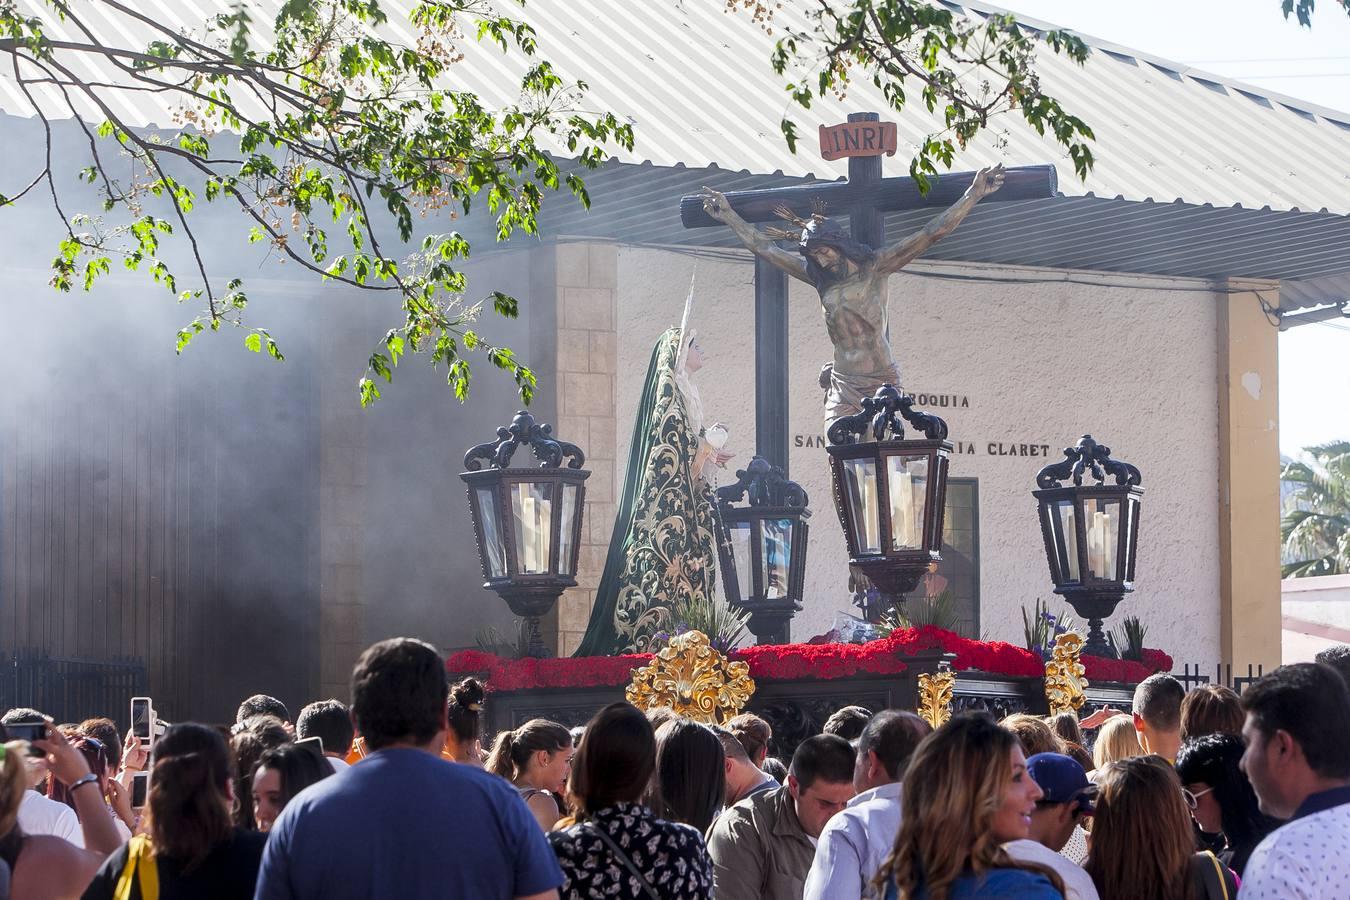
852	288
851	279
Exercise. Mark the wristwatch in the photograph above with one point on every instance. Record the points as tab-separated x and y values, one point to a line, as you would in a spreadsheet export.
91	778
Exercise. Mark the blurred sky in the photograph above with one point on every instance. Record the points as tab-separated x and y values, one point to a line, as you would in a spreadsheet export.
1249	40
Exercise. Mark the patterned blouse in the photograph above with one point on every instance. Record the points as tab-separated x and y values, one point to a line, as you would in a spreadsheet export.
671	856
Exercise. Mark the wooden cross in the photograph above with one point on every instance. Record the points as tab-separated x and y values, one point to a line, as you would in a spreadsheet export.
865	198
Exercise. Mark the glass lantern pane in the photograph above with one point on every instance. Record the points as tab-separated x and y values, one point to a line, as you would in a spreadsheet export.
740	554
1067	525
532	503
907	482
860	476
1102	521
494	551
567	529
776	556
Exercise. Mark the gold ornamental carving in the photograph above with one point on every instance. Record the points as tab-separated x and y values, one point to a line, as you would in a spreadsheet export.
935	696
1065	684
691	677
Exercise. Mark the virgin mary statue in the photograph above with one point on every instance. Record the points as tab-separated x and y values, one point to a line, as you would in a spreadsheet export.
662	554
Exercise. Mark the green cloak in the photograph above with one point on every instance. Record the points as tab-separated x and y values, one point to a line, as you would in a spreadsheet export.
663	550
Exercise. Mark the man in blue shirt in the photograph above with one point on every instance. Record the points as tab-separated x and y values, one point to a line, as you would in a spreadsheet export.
403	822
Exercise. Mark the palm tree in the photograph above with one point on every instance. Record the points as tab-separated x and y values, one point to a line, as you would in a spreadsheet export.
1316	525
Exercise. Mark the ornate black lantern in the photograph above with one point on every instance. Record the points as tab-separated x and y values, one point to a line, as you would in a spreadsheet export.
527	520
1091	533
762	548
890	493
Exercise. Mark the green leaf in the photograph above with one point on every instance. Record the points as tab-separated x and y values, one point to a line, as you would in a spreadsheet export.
375	119
369	391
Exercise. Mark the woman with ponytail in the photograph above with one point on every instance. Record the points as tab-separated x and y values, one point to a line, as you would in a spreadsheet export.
967	792
535	758
190	848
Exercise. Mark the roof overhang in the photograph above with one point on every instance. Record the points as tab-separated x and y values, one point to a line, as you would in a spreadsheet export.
1307	252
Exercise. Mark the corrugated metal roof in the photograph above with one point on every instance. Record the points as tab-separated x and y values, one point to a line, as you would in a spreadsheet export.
1196	175
696	82
1308	252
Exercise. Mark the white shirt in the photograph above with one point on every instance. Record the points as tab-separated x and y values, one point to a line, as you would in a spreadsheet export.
338	764
1076	850
38	815
1307	859
854	844
1077	883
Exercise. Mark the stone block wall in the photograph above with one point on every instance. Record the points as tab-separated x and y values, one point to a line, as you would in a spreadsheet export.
586	380
343	475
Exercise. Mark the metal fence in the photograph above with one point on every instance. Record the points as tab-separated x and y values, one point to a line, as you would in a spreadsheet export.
70	690
1192	676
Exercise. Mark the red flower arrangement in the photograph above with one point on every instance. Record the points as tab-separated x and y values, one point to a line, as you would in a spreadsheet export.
1126	670
774	662
522	674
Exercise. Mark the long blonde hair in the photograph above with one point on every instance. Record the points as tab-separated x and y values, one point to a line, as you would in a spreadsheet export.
13	783
1142	840
1115	741
953	788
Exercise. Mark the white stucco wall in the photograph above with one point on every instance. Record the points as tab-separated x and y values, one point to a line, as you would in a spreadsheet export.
1040	364
1316	615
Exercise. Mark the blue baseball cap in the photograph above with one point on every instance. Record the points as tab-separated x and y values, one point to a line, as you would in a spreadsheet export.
1062	780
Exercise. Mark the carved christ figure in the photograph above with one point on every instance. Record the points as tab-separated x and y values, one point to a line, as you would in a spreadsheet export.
852	282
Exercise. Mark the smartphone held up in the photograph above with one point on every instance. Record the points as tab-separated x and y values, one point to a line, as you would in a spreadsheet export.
143	720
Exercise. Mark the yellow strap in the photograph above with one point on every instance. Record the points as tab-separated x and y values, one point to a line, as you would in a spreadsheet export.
148	871
1218	870
1218	867
141	867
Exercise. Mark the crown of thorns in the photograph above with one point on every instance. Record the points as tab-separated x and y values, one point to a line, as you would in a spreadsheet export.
802	228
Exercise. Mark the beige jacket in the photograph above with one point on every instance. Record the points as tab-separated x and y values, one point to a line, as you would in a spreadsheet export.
759	850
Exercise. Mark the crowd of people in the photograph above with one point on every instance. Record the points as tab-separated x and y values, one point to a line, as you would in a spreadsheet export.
1190	795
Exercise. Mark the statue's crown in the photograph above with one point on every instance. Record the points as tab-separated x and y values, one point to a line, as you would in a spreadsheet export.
802	229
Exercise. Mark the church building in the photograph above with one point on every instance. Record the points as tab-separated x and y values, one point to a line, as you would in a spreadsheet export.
212	511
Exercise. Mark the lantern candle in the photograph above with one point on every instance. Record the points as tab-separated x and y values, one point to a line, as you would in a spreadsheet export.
531	538
902	510
1099	551
1108	547
543	529
867	487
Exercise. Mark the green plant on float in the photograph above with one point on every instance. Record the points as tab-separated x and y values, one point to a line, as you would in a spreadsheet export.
938	611
724	626
491	640
1040	627
1128	639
